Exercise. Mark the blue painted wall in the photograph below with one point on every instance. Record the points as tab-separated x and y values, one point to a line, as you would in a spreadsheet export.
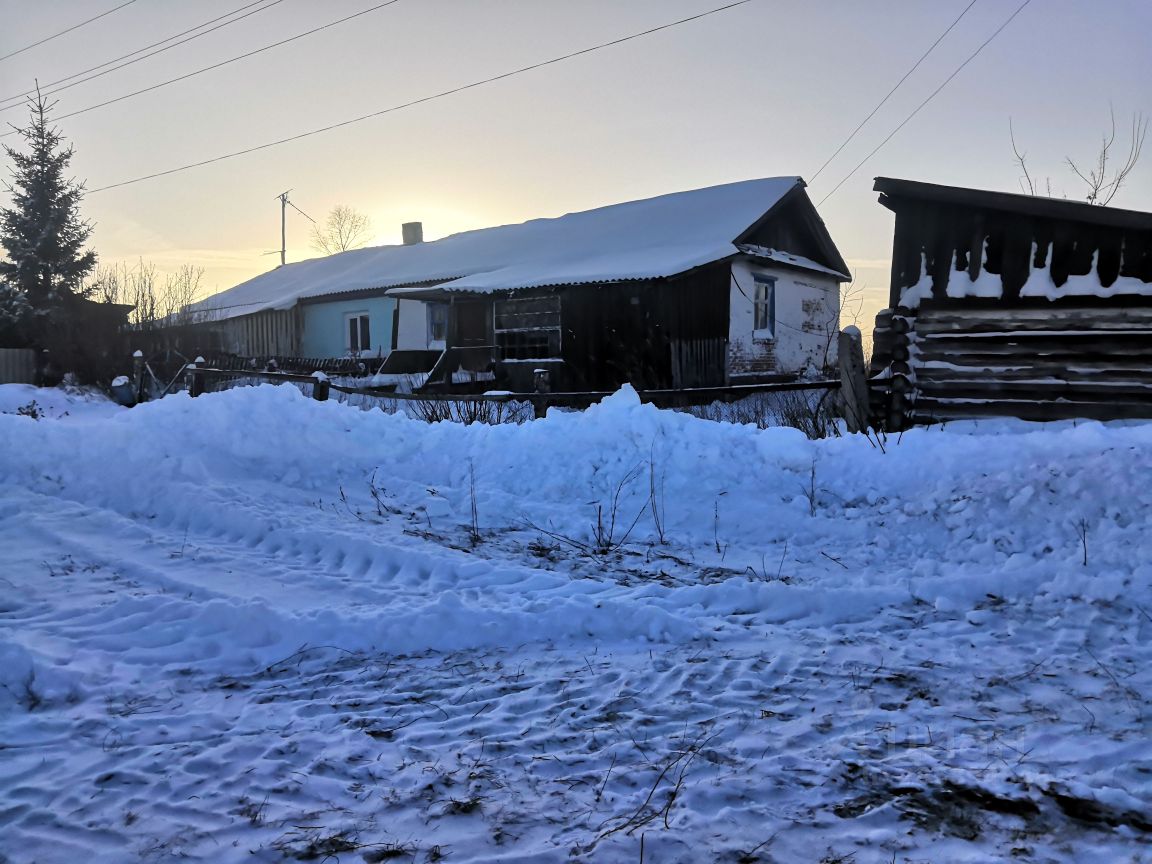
326	330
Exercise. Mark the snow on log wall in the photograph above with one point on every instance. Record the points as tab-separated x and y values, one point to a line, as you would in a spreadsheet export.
1038	362
807	312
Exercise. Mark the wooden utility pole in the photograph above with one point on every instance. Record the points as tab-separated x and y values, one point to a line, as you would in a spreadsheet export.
283	196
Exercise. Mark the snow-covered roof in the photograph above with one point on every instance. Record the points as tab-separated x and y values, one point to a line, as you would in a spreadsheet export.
781	257
645	239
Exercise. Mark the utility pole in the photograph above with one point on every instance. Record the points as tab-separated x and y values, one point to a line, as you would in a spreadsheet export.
283	196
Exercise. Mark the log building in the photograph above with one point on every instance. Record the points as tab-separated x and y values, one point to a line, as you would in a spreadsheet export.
1014	305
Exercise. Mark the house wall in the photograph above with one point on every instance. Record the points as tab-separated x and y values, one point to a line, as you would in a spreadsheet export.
656	334
262	334
413	333
807	319
326	329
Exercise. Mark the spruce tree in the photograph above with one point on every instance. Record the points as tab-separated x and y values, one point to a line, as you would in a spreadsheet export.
41	232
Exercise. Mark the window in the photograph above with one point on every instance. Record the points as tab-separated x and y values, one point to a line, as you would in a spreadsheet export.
528	328
764	306
437	322
357	335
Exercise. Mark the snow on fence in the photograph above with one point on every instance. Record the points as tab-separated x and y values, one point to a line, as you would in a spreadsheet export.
17	366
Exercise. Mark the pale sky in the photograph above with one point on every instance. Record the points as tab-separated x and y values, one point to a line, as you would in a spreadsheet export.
768	88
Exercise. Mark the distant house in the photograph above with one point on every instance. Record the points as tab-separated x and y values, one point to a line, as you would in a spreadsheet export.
321	308
729	283
1005	304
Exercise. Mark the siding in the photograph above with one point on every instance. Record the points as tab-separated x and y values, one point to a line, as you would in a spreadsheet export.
17	366
262	334
667	333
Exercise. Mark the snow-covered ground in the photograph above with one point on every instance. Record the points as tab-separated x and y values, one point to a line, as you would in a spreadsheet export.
254	627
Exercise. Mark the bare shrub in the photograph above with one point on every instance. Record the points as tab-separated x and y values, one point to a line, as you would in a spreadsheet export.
469	411
810	411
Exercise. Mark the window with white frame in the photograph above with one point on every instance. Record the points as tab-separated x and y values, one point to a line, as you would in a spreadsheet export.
764	306
437	323
528	328
357	333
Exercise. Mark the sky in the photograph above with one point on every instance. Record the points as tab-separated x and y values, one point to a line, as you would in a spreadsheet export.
768	88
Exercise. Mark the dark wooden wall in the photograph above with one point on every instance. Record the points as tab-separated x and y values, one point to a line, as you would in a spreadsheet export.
667	333
271	333
1041	361
948	242
796	228
1027	357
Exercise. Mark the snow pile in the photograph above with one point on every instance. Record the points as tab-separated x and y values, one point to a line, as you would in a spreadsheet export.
54	402
305	630
28	684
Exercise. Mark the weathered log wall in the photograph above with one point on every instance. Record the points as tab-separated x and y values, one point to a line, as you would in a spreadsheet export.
1045	362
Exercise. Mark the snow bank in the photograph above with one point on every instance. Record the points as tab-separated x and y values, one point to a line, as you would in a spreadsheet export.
994	509
55	402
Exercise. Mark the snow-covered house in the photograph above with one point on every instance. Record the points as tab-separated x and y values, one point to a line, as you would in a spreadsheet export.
695	288
698	288
1016	305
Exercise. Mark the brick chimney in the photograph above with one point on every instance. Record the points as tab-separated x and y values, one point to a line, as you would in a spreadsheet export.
413	233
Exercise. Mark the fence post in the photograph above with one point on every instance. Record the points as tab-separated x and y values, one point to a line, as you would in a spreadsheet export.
138	375
321	386
853	379
542	379
195	379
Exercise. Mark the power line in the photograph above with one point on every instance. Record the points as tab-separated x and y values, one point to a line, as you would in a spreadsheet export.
425	99
931	96
19	96
68	30
301	212
213	66
880	104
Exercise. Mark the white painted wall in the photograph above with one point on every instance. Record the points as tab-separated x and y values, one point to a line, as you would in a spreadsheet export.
413	333
807	318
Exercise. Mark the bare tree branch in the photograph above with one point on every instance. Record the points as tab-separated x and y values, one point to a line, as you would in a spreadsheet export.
344	229
1027	179
1102	186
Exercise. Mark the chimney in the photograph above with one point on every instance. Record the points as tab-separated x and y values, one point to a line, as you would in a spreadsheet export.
413	233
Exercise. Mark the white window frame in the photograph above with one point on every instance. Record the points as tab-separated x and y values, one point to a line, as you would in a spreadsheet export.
433	307
357	349
763	307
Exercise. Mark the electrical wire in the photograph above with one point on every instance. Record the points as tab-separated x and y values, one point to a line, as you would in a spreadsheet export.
931	96
62	32
26	93
881	103
423	99
214	65
301	212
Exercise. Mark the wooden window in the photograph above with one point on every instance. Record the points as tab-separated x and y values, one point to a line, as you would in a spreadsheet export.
528	328
358	335
764	306
437	322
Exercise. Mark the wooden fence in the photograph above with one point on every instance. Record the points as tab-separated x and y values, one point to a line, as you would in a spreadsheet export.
197	378
17	366
852	384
